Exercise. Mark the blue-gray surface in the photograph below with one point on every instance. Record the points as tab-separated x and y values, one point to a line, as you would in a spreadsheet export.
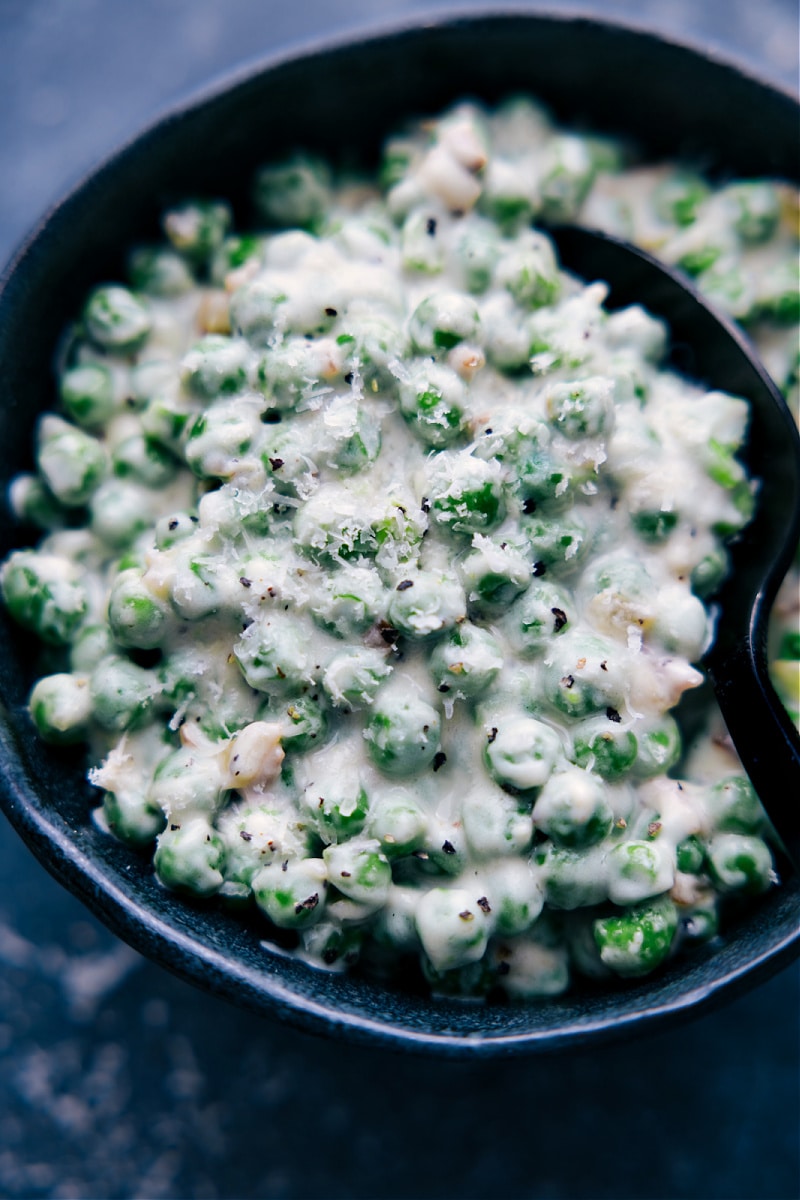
117	1080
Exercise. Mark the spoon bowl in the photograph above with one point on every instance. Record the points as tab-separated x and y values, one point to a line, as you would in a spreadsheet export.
706	346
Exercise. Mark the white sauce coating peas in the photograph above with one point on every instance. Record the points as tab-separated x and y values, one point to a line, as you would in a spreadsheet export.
390	552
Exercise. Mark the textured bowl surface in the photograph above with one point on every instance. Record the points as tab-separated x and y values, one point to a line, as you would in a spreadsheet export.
341	100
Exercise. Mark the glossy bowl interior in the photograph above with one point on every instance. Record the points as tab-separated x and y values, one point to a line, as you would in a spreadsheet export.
342	100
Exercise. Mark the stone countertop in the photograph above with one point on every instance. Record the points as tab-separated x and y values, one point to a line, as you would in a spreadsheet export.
118	1080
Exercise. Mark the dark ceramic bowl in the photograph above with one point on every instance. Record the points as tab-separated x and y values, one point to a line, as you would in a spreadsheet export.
341	100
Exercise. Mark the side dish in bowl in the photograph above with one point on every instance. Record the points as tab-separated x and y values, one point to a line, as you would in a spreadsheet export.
376	553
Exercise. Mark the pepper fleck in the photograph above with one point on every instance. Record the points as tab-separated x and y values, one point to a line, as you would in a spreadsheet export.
276	463
539	569
613	715
492	735
348	377
484	904
331	312
466	915
448	848
245	836
174	523
307	905
404	585
568	681
245	582
430	227
425	504
443	687
560	619
439	759
653	829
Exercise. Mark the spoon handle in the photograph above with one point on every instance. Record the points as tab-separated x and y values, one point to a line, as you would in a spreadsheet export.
709	348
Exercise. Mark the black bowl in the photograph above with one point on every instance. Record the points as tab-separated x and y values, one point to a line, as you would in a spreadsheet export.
341	100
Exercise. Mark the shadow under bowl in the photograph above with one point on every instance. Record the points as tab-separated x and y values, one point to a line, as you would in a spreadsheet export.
341	100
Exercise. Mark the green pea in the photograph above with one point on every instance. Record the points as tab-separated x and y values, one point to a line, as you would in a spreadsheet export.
197	228
189	858
654	525
467	661
115	320
72	463
583	409
441	321
373	344
477	251
174	528
543	613
521	752
32	501
348	601
122	694
164	421
332	527
432	400
159	272
740	864
61	708
216	366
778	293
255	311
144	460
690	855
571	878
453	928
603	745
558	545
132	818
658	746
466	494
567	172
87	393
219	438
638	870
514	896
427	603
331	943
359	871
638	940
353	676
292	893
273	654
92	644
757	209
233	253
423	248
43	594
583	676
529	270
678	197
136	616
735	807
398	822
402	733
353	436
117	514
495	823
709	573
305	724
572	809
493	575
294	193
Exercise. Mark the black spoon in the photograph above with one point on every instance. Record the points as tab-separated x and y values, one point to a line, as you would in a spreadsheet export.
708	348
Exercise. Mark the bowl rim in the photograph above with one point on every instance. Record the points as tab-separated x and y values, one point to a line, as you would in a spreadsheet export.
127	915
